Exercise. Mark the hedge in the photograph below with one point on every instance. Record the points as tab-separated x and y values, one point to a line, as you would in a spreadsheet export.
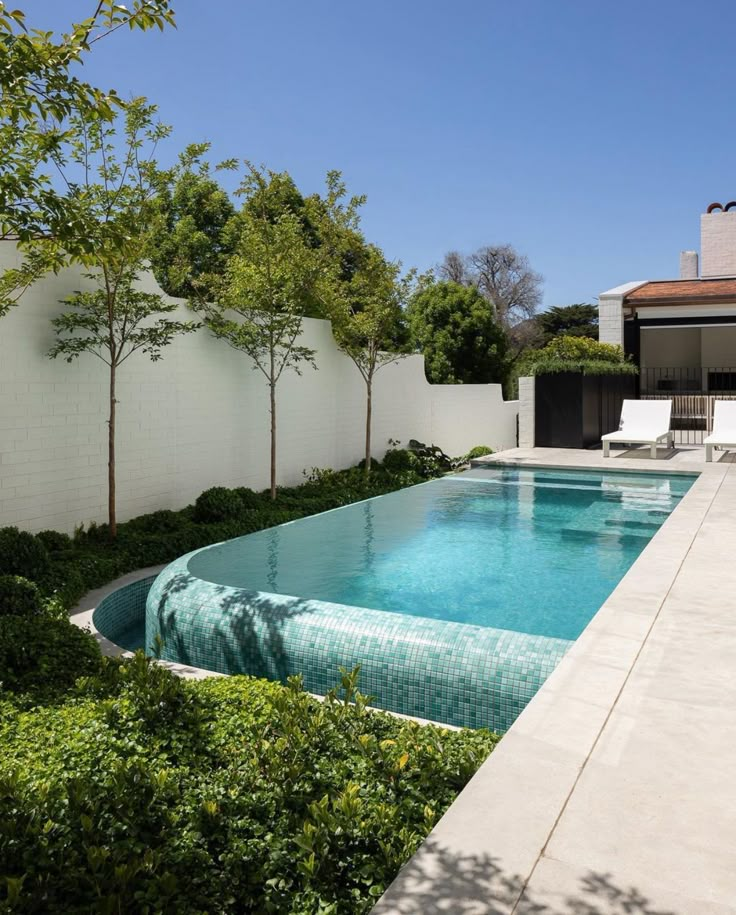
126	789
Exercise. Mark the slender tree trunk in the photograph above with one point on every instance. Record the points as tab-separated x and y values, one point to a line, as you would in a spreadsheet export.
111	515
272	386
368	419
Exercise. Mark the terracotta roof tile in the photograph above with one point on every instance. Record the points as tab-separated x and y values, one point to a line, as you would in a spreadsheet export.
674	292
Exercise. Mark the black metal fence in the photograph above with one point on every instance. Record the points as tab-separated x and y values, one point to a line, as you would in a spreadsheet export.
694	380
693	393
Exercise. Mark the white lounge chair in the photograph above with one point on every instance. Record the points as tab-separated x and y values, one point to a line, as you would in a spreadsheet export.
724	428
643	422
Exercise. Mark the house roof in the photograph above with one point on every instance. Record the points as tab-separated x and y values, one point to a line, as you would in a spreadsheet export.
684	292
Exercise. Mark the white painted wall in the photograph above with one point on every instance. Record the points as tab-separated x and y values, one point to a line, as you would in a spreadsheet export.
198	418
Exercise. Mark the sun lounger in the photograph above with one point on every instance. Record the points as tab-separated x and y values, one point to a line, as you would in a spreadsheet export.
724	428
643	422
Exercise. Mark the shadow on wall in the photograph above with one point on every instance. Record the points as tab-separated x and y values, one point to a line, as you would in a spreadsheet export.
437	882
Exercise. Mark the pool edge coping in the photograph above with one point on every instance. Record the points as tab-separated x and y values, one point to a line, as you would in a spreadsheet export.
508	812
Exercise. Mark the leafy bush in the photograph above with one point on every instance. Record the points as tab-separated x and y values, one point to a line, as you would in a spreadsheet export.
432	460
44	656
248	498
397	460
19	597
55	541
258	798
157	522
22	554
478	451
217	504
580	354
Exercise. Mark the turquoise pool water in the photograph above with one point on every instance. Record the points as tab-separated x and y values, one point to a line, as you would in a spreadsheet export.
531	551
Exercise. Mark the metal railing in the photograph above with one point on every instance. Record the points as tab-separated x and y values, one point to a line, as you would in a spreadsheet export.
693	380
693	392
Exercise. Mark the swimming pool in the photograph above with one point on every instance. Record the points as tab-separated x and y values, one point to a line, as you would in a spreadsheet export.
458	596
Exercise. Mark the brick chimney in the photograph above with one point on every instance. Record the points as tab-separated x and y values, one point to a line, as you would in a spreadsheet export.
718	240
688	265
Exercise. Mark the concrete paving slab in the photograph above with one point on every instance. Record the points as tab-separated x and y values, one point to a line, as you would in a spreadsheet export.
636	812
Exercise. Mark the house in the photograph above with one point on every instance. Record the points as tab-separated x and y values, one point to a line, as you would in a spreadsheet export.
682	332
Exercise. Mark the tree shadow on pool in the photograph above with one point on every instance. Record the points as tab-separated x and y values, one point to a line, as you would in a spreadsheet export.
225	629
438	882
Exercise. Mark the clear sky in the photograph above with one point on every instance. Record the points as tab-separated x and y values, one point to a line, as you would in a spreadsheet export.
590	135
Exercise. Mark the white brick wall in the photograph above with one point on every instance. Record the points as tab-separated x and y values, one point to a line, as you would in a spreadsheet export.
611	319
526	412
718	244
197	418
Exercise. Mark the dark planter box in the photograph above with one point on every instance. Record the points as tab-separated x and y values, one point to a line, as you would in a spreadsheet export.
572	410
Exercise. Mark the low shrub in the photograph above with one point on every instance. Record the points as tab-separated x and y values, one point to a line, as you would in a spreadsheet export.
478	451
217	504
44	656
398	460
258	799
19	597
158	522
54	541
22	554
248	498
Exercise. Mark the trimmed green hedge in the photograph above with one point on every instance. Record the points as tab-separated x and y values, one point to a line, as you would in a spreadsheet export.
146	793
126	789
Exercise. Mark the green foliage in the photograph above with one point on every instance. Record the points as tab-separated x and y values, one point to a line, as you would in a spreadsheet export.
42	98
578	354
455	328
22	554
114	328
244	796
44	657
191	212
398	460
579	320
217	504
19	596
54	541
478	451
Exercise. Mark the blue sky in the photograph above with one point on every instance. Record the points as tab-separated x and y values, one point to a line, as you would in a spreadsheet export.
590	135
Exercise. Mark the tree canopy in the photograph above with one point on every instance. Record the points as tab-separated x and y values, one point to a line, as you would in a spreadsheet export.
42	99
578	320
457	331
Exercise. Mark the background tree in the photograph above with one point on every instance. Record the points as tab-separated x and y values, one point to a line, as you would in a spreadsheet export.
579	320
502	276
113	194
191	212
457	331
40	95
270	280
368	322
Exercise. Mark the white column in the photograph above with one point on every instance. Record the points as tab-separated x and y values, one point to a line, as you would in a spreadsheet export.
526	412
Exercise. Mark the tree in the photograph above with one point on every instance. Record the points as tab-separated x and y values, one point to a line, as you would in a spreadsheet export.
40	95
270	280
368	322
457	331
112	322
502	276
113	194
191	213
579	320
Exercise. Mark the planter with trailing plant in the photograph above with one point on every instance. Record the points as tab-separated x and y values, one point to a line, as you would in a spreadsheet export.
580	385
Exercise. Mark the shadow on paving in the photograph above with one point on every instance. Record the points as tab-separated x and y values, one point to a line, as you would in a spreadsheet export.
436	882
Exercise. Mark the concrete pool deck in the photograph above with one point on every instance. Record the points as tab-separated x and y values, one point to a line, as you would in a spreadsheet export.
613	793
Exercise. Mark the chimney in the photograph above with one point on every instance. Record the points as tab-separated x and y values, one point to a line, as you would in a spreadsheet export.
718	240
688	265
